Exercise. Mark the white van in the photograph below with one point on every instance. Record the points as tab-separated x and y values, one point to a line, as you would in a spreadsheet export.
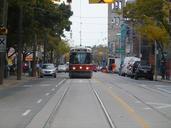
127	65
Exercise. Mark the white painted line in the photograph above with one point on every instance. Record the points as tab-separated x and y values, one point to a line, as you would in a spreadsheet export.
28	86
143	85
26	112
147	108
53	89
60	83
137	102
39	101
164	90
158	105
159	85
45	85
47	94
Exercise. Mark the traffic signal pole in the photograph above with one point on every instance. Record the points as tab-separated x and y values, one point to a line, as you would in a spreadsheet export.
3	40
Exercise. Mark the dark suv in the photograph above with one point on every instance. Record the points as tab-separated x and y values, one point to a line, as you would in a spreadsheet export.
141	69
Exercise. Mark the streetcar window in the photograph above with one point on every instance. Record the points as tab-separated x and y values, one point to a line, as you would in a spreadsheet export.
80	58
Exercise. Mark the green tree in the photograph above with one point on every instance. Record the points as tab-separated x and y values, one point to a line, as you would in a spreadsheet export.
39	18
151	19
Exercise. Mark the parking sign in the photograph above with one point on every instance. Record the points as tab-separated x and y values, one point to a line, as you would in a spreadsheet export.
2	43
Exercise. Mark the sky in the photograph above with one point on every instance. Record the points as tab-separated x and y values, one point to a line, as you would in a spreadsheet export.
91	21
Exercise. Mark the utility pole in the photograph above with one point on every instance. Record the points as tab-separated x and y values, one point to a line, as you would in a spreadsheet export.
3	32
80	25
155	59
34	56
20	47
45	47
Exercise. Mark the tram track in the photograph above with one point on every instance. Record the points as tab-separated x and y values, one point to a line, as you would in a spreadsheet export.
139	99
64	95
56	108
107	115
142	101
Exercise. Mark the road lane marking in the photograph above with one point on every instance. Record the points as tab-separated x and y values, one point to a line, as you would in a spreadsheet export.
39	101
27	86
129	109
45	85
140	120
26	112
164	90
143	85
138	102
60	82
158	105
53	89
47	94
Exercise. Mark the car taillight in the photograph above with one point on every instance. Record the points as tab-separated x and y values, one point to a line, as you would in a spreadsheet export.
73	68
81	67
87	68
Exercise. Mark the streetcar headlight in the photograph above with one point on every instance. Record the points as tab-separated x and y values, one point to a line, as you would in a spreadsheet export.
87	68
81	67
73	68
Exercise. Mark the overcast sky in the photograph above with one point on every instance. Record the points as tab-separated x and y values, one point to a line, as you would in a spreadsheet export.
91	20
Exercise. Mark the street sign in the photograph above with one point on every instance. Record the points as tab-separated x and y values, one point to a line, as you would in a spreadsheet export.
2	43
120	50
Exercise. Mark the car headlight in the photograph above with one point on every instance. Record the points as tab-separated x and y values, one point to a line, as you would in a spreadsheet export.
53	71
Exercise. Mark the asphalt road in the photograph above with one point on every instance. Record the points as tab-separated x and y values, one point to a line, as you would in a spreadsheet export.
105	101
20	104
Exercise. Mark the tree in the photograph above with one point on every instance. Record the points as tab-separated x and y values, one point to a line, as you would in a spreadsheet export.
152	22
40	17
151	19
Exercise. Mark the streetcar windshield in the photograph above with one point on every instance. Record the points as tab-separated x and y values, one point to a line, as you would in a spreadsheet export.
80	58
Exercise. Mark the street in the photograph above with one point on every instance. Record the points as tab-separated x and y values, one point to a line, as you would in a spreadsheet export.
105	101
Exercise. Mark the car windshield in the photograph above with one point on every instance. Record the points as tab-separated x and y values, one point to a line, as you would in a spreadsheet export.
61	66
80	58
50	66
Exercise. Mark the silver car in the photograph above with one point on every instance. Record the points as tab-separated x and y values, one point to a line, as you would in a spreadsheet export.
48	69
62	68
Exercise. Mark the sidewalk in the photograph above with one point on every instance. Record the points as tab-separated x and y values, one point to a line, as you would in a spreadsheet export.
159	78
12	81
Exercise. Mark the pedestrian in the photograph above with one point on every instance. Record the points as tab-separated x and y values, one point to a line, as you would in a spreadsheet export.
113	67
163	70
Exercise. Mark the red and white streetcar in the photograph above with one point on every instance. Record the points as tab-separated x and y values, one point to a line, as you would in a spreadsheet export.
80	63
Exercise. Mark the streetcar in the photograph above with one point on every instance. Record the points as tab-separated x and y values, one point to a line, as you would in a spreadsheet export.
80	62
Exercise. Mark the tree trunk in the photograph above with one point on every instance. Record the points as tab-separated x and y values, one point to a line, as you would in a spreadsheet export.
34	56
20	42
51	56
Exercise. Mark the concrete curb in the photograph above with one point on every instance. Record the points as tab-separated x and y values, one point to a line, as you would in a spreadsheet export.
13	82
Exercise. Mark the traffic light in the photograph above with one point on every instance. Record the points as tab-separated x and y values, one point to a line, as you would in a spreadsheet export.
108	1
3	31
101	1
69	1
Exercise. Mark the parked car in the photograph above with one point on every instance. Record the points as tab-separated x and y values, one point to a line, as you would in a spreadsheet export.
62	68
48	69
143	70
